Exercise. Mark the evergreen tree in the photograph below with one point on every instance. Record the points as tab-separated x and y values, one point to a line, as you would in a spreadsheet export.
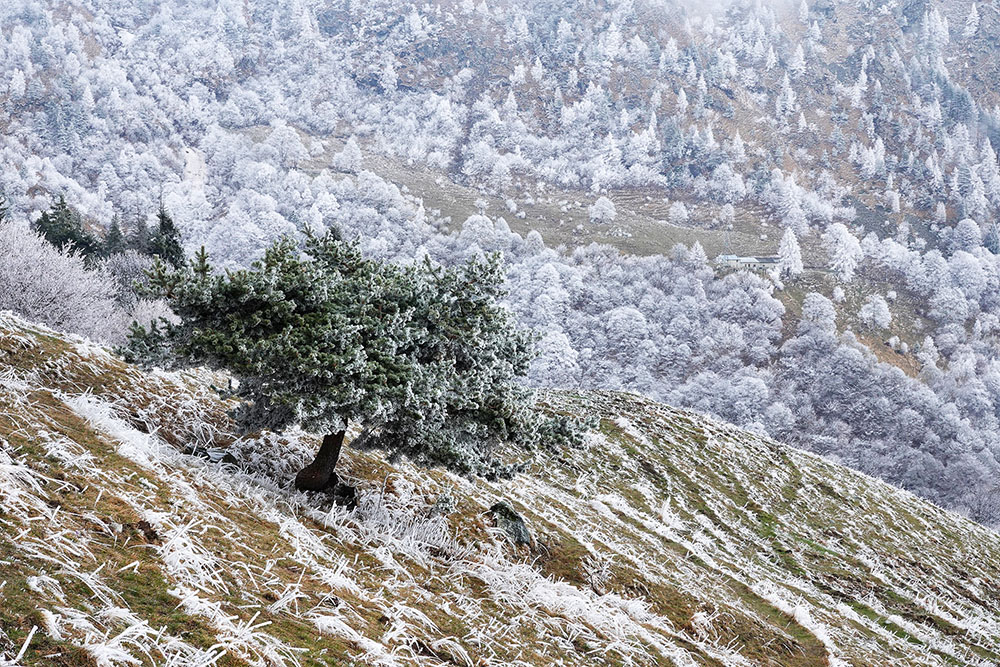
4	207
165	243
971	22
797	62
785	103
139	239
844	250
992	239
114	241
423	358
63	227
789	254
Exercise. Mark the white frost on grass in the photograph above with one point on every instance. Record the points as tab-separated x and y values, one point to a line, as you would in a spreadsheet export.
395	558
800	612
373	653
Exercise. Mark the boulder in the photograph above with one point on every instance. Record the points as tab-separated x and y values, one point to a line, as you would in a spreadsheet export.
510	522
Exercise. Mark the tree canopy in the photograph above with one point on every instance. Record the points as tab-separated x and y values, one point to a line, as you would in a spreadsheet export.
63	227
422	357
166	242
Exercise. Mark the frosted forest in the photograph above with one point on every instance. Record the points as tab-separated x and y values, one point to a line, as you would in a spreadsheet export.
611	151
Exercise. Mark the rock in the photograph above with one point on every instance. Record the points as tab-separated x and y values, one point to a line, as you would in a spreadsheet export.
344	495
443	506
510	522
213	454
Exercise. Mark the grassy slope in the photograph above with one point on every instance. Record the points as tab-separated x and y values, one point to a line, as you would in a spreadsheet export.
671	539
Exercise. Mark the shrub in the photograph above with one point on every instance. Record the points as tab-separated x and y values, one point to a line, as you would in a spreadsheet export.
45	284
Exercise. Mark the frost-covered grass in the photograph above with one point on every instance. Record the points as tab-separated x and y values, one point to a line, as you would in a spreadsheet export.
669	539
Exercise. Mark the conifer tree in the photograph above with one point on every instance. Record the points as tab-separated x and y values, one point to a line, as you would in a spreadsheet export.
844	250
992	239
139	239
423	358
114	241
971	22
63	227
789	254
165	243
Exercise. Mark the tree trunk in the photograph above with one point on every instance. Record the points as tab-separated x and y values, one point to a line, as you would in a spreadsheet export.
319	474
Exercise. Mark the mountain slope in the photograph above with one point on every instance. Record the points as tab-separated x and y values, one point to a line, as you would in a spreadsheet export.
669	539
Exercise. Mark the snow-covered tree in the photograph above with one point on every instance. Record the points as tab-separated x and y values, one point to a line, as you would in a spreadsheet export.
789	254
966	235
677	213
45	284
785	104
682	102
844	251
875	313
349	157
971	22
16	86
797	62
696	255
285	141
603	211
992	239
727	186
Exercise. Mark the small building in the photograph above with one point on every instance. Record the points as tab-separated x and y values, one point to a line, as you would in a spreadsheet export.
761	264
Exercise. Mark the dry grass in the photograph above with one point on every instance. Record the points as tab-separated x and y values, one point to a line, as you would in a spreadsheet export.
669	539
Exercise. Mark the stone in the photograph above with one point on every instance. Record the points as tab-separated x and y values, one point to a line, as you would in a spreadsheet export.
511	523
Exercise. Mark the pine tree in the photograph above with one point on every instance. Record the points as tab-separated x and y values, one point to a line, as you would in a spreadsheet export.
696	255
789	254
992	239
139	239
4	208
63	227
682	102
165	243
971	22
844	250
797	63
423	358
114	241
785	103
989	170
815	34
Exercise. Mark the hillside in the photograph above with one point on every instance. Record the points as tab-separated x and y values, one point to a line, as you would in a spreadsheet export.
136	529
609	150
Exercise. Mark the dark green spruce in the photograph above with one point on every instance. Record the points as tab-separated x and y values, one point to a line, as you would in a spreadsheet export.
165	243
63	227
